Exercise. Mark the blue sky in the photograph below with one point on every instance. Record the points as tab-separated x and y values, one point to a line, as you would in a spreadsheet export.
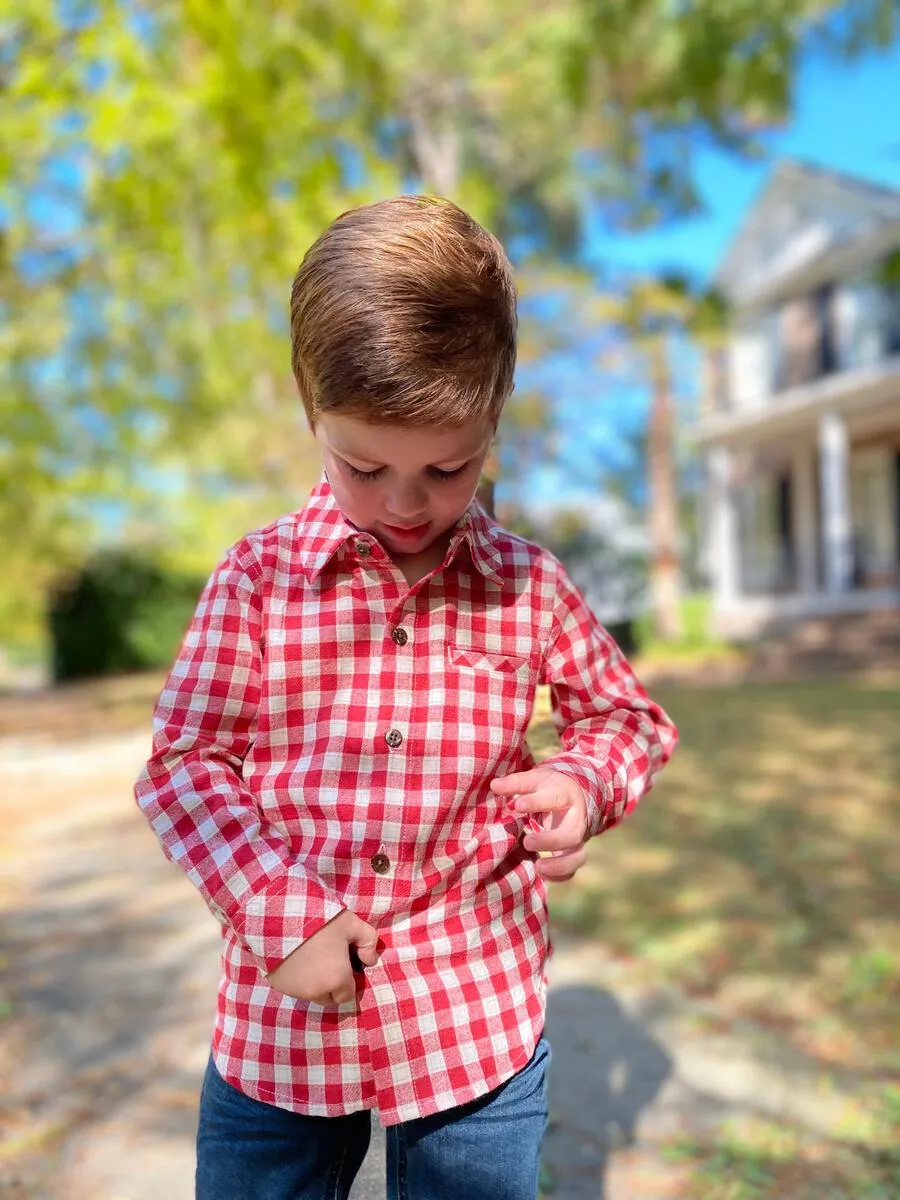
848	118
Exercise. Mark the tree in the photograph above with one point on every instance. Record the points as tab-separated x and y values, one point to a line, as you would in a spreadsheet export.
651	314
162	168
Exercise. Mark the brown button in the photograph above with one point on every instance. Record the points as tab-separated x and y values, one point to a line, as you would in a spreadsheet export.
381	864
363	549
394	738
400	636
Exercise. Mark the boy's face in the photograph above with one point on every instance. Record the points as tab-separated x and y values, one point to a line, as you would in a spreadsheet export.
408	487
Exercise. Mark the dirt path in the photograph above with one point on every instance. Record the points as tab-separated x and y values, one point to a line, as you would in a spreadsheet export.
110	964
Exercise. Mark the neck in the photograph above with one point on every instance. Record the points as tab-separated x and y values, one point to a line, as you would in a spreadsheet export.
417	566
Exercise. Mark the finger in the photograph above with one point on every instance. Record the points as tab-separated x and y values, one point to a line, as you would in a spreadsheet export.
368	955
560	867
548	799
365	938
522	781
551	839
343	992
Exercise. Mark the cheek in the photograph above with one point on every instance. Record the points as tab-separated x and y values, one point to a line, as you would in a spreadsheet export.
355	500
453	499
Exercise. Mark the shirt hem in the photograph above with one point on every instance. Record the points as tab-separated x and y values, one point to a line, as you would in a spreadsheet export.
407	1112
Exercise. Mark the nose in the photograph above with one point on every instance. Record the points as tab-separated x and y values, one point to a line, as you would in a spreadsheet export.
407	502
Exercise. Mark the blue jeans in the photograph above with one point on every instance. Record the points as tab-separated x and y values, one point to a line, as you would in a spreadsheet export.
485	1150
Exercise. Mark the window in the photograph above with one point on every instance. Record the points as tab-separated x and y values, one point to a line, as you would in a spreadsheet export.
873	505
765	522
803	341
858	319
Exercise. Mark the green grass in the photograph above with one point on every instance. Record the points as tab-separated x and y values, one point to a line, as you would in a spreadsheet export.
760	1160
696	641
763	869
763	874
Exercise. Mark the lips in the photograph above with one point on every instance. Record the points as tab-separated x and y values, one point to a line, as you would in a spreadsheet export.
407	533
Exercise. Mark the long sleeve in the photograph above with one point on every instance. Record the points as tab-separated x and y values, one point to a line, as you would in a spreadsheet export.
192	789
614	738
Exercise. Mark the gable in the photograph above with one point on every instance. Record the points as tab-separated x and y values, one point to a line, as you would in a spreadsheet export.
802	214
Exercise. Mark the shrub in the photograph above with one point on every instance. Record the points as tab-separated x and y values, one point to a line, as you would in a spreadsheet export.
123	611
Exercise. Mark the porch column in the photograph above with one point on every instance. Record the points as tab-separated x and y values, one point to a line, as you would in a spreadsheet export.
723	528
806	526
834	459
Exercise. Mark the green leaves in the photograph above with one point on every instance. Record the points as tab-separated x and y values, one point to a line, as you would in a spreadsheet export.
164	167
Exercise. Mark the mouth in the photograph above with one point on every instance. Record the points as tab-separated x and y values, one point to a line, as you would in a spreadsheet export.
407	533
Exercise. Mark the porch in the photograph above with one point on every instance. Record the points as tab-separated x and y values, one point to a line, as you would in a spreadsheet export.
804	522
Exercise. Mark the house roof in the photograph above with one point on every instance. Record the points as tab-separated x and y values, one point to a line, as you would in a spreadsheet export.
868	189
802	212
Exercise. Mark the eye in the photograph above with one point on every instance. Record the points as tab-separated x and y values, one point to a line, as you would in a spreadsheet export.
364	475
437	473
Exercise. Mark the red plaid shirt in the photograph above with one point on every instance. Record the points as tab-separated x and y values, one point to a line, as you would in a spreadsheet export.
326	740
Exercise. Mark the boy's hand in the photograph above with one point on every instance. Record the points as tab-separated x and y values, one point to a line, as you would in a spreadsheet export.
319	971
558	803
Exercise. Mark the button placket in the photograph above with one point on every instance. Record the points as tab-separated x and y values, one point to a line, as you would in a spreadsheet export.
399	623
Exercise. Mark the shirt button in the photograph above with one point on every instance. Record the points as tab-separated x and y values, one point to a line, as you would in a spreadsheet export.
394	738
381	864
400	636
363	549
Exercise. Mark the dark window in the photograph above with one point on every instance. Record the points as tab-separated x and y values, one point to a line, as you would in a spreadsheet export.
785	511
804	346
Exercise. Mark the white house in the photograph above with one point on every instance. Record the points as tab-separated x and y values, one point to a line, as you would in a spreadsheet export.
802	433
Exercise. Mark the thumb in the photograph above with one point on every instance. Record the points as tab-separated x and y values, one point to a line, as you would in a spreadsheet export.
365	938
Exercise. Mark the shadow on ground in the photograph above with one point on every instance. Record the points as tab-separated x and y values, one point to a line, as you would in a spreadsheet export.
606	1071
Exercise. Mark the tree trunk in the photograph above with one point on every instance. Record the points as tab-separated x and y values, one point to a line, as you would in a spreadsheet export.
487	484
665	574
713	397
437	152
434	137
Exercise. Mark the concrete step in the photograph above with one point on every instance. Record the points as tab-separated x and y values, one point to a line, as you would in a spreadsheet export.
830	645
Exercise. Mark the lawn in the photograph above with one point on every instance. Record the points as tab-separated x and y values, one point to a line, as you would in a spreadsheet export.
763	874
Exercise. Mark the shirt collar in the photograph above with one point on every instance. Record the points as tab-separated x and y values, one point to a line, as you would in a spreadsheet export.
477	530
323	530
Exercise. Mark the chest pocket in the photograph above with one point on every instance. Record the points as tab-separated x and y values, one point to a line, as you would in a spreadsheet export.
487	660
495	693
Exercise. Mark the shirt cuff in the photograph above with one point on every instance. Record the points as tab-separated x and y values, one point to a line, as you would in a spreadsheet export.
595	784
282	916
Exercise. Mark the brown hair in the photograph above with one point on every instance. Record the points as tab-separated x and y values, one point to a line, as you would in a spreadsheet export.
404	313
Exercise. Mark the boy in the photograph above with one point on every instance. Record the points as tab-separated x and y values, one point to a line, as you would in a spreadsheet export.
339	760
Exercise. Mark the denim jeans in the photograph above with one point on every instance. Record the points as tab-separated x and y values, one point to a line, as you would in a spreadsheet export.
485	1150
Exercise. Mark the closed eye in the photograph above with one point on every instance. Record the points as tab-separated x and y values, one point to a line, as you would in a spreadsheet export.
365	475
434	472
438	473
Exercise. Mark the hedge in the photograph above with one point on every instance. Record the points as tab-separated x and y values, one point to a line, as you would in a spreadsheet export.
122	612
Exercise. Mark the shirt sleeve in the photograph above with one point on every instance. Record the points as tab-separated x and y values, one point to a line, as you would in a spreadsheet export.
614	738
192	789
